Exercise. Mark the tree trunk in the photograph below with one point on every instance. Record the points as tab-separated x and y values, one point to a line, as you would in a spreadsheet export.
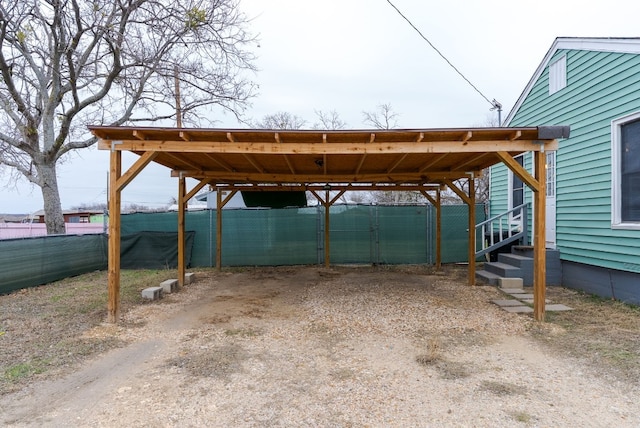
51	197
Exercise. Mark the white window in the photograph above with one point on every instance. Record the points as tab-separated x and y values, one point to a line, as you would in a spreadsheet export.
551	174
558	75
625	172
516	192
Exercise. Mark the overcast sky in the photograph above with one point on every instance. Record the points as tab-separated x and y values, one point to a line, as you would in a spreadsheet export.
353	55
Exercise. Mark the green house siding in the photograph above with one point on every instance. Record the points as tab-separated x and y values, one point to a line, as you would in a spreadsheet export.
601	86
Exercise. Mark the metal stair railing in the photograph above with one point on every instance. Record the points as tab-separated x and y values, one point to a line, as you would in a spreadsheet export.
502	229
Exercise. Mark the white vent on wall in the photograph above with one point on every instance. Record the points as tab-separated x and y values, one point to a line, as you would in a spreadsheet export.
558	75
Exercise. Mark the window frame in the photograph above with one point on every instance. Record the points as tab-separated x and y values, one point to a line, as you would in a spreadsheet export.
511	181
616	173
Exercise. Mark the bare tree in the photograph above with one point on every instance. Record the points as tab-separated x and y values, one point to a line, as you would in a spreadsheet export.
386	118
65	64
329	121
382	118
280	120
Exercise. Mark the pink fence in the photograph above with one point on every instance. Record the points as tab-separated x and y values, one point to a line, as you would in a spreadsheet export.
27	230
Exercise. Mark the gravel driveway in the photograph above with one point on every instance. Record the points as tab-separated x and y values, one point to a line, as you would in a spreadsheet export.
306	346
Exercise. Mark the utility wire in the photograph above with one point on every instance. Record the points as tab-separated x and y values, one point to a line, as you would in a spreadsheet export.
494	104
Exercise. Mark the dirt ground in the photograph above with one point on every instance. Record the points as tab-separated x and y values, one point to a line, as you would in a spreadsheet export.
308	346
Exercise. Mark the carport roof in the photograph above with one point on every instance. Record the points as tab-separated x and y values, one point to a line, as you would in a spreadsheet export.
255	156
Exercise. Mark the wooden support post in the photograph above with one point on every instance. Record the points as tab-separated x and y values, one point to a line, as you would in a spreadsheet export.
115	169
472	232
438	231
436	203
470	200
327	243
219	229
182	205
539	239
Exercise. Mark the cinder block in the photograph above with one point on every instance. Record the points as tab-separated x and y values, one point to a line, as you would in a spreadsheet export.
189	277
152	293
169	286
511	283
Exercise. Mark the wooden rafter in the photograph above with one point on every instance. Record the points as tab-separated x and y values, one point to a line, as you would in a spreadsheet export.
472	160
184	160
219	162
292	170
254	163
397	162
360	163
434	161
139	135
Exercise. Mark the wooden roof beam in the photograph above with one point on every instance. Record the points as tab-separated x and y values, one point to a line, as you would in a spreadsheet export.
240	177
297	187
336	148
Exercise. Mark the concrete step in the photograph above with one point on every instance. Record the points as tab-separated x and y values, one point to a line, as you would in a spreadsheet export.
487	277
510	283
553	268
516	260
503	269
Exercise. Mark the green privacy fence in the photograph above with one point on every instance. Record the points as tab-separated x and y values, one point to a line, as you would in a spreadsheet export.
34	261
358	234
362	234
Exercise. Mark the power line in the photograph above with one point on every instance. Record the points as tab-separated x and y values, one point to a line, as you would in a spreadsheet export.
494	104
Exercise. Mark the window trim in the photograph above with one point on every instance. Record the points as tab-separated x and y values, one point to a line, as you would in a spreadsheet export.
616	173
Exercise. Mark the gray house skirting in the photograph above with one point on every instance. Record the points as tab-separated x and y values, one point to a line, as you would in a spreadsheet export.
620	285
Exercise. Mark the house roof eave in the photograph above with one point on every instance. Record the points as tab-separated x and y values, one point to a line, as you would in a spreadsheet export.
596	44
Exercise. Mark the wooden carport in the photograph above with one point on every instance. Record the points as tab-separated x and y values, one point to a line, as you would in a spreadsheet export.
424	160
